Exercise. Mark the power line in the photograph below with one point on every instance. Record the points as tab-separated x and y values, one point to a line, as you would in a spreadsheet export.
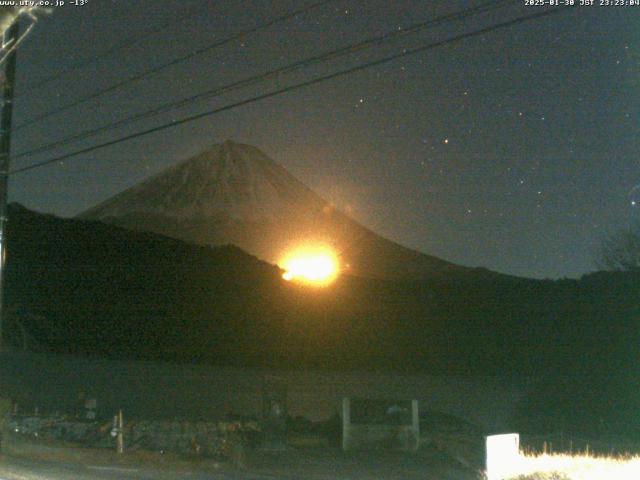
155	70
331	55
124	44
290	88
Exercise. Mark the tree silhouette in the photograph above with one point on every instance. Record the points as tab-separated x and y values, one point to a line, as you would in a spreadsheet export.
621	250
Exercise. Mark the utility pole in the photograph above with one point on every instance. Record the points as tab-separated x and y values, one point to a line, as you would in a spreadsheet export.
9	75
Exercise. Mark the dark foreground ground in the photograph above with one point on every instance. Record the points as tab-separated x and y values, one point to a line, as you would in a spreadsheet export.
292	464
367	465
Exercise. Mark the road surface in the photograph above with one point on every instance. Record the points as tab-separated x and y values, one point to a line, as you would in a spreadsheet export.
326	464
24	469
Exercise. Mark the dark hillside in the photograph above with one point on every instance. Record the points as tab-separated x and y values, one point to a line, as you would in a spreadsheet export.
90	288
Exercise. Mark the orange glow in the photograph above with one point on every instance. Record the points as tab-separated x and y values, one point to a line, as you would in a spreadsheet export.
311	265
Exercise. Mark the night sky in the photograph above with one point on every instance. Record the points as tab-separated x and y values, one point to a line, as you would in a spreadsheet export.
516	150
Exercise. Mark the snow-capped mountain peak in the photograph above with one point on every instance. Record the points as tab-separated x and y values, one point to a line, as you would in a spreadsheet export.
229	180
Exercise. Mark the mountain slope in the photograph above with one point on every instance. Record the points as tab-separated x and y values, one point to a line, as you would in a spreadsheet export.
117	290
235	194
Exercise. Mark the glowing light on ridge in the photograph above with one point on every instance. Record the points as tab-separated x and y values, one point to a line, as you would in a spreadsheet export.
311	265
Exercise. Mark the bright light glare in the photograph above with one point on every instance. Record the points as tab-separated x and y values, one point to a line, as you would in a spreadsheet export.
505	461
579	467
316	266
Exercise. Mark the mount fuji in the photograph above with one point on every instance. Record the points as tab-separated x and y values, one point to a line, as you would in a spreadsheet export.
235	194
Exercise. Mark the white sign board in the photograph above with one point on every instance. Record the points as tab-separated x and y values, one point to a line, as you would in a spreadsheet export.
503	455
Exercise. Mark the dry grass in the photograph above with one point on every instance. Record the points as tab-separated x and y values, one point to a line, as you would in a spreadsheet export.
575	467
